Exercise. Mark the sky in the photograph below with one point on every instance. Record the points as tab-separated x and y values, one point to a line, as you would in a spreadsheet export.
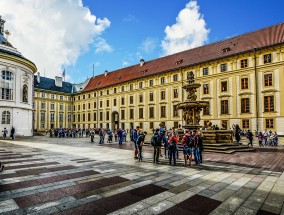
82	36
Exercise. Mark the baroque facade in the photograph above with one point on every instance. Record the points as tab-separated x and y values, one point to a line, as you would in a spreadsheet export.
16	88
240	77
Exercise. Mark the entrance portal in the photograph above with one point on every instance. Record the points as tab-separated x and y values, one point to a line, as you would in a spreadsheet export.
114	120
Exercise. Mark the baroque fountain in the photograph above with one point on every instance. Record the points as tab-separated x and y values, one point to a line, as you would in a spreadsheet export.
213	140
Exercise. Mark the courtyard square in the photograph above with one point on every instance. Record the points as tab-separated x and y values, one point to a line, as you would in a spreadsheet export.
73	176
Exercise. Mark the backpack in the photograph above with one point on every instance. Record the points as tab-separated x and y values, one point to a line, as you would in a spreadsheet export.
173	144
190	142
154	140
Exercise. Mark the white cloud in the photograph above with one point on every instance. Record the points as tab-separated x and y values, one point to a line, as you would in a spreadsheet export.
130	18
125	63
51	33
189	31
102	46
149	45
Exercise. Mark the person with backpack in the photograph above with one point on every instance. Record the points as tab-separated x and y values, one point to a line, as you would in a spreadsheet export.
185	142
260	138
156	142
120	136
135	136
5	132
13	133
173	145
250	137
139	144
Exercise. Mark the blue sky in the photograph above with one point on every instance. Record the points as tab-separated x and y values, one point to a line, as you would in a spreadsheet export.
56	35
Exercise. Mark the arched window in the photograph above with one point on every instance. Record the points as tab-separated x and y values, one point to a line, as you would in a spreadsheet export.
6	117
6	85
25	93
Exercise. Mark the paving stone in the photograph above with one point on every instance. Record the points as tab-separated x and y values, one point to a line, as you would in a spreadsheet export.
8	205
245	211
207	193
223	194
157	208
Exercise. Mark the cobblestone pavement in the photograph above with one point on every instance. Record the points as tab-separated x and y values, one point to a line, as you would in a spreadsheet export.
73	176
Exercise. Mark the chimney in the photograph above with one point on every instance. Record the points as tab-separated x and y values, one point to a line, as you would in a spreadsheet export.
38	77
58	81
106	72
142	62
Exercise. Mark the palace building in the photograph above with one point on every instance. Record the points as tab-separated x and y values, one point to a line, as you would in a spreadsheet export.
240	78
16	88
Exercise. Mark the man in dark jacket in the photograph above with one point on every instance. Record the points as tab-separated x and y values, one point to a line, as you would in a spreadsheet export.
157	145
250	137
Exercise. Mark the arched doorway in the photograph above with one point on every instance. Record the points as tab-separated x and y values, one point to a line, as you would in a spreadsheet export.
114	120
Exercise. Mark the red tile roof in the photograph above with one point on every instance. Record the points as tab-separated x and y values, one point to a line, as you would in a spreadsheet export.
265	37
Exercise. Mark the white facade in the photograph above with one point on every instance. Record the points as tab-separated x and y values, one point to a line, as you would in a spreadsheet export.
16	88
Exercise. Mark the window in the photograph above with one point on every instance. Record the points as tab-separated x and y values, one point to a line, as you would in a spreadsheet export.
114	90
269	123
101	93
140	84
84	119
52	106
69	117
268	103
223	67
175	111
122	88
175	124
163	95
61	97
131	87
101	116
42	125
42	95
89	105
267	58
101	104
61	117
224	107
52	96
79	107
95	105
43	105
140	98
163	111
42	116
89	95
151	125
175	93
107	91
123	114
84	97
268	80
205	71
244	83
205	89
244	63
78	97
131	99
114	102
131	114
74	107
140	113
245	105
95	116
6	85
151	97
84	106
175	77
245	123
52	117
69	98
61	107
141	125
206	110
107	115
224	87
151	112
95	94
107	103
69	107
162	80
151	83
122	101
6	117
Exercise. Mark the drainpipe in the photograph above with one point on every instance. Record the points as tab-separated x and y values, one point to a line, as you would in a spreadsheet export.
97	94
256	88
182	97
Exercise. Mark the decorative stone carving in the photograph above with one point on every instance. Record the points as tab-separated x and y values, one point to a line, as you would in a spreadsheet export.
25	93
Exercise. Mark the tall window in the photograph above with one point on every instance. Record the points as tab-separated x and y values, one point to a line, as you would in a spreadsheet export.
151	112
163	111
245	105
245	123
79	118
268	80
175	77
107	115
52	106
61	97
122	114
52	96
162	80
6	117
205	71
175	93
131	114
175	111
89	116
101	104
205	89
52	117
107	91
151	97
151	83
84	118
131	99
107	103
163	95
69	117
95	116
114	102
60	117
269	123
61	107
224	107
122	88
101	116
131	87
122	101
6	85
244	83
95	105
267	58
268	103
151	125
140	98
223	67
224	87
140	113
43	105
42	116
140	84
244	63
